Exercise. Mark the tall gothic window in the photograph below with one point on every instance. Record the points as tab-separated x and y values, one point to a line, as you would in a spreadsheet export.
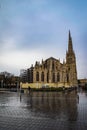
53	65
58	77
53	77
47	77
67	77
42	76
37	76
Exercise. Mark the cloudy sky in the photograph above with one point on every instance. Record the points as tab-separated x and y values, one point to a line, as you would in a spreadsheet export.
34	29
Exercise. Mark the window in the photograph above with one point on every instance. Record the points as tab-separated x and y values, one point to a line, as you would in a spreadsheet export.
53	77
37	76
47	77
67	77
42	76
58	77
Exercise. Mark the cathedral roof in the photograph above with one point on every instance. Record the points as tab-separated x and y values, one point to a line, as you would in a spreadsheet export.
51	58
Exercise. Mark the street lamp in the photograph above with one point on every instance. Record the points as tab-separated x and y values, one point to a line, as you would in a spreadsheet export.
20	86
20	89
17	86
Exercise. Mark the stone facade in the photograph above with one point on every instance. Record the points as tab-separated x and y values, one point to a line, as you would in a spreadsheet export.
51	71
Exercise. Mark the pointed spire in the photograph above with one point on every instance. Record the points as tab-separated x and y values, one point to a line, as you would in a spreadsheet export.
59	59
66	52
42	60
63	61
70	46
69	35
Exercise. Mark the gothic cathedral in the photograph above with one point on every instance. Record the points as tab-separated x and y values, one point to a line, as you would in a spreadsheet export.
55	74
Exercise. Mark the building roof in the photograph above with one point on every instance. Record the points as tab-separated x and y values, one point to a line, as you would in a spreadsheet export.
52	58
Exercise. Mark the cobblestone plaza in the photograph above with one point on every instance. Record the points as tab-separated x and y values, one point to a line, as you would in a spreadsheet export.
43	111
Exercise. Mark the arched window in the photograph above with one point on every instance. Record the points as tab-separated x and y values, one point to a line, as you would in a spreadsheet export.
67	77
42	76
47	77
58	77
53	65
53	77
37	76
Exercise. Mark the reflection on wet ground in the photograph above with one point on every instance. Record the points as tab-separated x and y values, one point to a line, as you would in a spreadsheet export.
43	110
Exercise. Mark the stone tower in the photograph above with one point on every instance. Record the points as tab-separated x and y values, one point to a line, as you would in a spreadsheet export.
71	70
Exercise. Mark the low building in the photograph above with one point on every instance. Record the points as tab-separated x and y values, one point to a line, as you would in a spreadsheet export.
82	83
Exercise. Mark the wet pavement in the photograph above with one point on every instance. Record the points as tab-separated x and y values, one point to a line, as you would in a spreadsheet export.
43	111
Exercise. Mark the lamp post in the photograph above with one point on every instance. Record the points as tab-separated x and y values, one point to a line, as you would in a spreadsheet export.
17	86
20	89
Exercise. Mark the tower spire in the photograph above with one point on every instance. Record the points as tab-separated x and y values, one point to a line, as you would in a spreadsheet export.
71	63
70	45
69	35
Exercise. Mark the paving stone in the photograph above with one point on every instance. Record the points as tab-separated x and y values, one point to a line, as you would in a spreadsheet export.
54	111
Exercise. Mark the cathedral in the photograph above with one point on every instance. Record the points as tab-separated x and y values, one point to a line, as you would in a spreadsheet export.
52	73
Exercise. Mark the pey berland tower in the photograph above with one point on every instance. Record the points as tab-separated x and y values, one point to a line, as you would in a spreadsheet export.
52	72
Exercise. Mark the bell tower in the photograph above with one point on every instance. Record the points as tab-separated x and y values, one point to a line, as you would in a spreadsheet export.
71	63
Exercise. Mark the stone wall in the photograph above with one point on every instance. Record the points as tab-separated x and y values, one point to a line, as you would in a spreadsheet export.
41	85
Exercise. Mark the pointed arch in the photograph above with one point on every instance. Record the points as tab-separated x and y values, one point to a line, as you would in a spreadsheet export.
58	77
37	76
53	78
53	65
67	77
42	76
48	77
